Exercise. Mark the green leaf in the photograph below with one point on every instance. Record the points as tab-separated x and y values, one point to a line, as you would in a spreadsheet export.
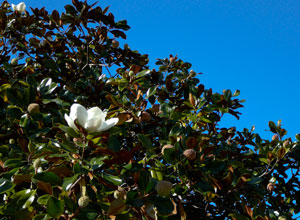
42	217
143	73
43	200
170	155
55	207
68	130
238	216
12	163
256	180
150	92
113	179
272	127
164	206
236	93
68	182
114	144
5	185
48	177
146	142
97	162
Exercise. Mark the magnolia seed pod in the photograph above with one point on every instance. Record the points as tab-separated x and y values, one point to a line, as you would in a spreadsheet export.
14	61
83	201
275	137
167	146
286	143
33	108
115	44
37	163
190	154
163	188
155	108
11	141
270	187
131	73
281	218
172	59
145	116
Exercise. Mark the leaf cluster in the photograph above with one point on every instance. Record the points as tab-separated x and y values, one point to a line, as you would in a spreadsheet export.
46	167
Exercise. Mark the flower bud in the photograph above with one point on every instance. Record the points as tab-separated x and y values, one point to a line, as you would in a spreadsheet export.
14	61
83	201
167	146
115	44
163	188
281	218
33	108
37	163
190	154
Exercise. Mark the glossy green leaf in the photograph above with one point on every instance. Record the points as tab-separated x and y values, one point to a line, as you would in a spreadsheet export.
68	182
48	177
55	207
5	185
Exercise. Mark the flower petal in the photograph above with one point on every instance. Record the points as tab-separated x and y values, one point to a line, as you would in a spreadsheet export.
14	7
94	120
21	7
93	124
108	124
80	113
95	112
70	122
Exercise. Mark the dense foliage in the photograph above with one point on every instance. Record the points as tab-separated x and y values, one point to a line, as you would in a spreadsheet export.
166	158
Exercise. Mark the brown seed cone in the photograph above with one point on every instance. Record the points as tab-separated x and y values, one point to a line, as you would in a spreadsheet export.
163	188
190	154
33	108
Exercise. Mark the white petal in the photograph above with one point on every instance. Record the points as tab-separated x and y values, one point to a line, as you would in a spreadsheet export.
108	124
14	7
94	120
70	122
95	112
21	7
93	124
79	112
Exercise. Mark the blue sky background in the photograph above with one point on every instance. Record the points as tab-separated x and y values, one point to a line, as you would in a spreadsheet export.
250	45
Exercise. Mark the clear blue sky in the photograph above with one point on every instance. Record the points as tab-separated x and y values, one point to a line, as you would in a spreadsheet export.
250	45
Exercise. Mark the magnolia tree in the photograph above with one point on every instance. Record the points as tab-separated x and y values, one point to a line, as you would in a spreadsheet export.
88	131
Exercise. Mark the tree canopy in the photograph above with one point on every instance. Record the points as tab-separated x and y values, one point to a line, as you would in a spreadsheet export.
89	131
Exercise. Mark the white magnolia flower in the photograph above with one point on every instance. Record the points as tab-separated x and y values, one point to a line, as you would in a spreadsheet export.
92	120
19	7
